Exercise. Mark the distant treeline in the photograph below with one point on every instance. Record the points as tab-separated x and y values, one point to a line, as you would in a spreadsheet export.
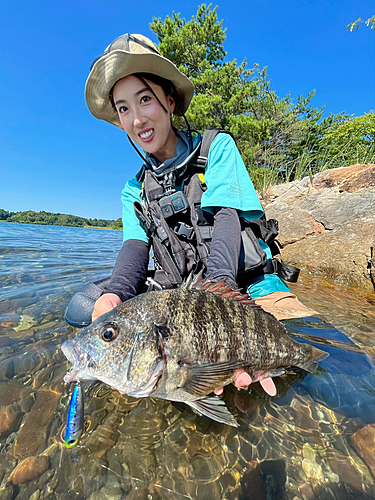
51	219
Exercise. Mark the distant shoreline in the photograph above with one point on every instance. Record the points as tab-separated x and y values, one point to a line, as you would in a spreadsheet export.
57	219
59	225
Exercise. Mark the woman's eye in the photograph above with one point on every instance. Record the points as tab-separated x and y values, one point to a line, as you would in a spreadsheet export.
122	109
145	98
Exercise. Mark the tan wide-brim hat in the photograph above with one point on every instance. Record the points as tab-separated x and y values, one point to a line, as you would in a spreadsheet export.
130	54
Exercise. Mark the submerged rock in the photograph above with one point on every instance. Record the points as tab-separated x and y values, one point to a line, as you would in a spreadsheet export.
7	492
364	443
32	437
29	469
10	417
345	468
312	470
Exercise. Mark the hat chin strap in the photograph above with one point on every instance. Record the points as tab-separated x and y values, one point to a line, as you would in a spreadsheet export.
140	154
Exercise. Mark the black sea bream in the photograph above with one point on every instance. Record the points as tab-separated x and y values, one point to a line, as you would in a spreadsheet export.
182	344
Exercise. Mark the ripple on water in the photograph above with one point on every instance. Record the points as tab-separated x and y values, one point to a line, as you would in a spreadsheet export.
297	445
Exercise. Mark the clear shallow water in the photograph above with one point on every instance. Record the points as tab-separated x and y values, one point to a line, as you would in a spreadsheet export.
312	441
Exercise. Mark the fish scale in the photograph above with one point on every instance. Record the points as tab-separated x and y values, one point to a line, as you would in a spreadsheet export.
183	344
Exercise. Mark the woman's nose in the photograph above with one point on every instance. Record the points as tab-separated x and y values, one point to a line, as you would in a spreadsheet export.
139	120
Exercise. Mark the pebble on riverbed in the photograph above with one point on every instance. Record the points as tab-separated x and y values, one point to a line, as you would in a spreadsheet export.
10	418
29	469
364	443
7	492
32	437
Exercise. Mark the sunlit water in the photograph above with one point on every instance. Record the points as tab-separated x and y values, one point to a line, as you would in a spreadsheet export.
312	441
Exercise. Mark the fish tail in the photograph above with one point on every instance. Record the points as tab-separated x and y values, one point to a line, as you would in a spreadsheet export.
316	356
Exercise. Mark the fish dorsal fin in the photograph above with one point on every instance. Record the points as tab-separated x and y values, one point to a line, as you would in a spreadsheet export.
218	288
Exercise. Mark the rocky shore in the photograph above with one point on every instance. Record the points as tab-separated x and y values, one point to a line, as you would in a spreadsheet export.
327	226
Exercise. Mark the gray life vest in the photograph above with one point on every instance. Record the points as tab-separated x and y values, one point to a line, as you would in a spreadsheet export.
180	231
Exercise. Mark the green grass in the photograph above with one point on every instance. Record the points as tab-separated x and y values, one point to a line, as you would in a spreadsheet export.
309	164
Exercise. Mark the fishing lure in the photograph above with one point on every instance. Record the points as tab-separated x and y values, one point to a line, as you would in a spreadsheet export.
74	424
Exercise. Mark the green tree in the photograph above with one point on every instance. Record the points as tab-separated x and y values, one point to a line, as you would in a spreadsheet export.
117	224
352	141
270	132
4	214
355	24
31	217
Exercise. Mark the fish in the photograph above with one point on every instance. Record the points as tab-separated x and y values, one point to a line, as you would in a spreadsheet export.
75	418
183	344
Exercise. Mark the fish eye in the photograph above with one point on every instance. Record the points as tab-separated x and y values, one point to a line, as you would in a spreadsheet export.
109	333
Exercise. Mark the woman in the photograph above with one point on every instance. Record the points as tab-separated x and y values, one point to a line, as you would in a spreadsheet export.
135	88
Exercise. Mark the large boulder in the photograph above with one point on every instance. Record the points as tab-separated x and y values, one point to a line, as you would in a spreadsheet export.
327	225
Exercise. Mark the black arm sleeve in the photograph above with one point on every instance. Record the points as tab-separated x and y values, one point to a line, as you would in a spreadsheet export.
225	247
130	271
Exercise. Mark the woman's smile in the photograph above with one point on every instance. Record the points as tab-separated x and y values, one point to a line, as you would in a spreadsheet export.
147	135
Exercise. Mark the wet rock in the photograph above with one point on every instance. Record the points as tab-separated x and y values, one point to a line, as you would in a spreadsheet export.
364	443
26	322
4	305
101	440
27	363
7	462
333	208
295	224
29	469
307	491
139	494
8	492
308	452
263	480
312	470
340	491
32	437
328	228
78	479
12	393
35	495
339	257
43	376
344	468
6	341
289	192
7	369
10	417
302	416
108	492
350	178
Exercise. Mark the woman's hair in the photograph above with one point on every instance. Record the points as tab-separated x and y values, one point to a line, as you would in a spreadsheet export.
167	86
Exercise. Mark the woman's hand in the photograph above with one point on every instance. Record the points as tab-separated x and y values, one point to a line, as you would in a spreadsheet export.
243	379
104	304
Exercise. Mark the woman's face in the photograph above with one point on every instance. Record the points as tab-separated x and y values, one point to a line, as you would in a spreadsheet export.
142	117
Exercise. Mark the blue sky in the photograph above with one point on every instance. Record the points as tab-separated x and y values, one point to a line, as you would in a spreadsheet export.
55	156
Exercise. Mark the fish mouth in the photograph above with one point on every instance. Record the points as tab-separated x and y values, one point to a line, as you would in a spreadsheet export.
77	357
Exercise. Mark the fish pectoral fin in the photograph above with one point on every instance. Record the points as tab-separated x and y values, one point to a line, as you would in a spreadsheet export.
204	378
214	408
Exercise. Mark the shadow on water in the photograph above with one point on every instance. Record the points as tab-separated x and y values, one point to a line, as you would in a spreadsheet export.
314	440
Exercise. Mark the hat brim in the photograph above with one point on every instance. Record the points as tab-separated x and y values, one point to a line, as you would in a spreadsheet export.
118	64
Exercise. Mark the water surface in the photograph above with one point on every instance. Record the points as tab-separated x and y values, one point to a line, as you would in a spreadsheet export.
311	441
